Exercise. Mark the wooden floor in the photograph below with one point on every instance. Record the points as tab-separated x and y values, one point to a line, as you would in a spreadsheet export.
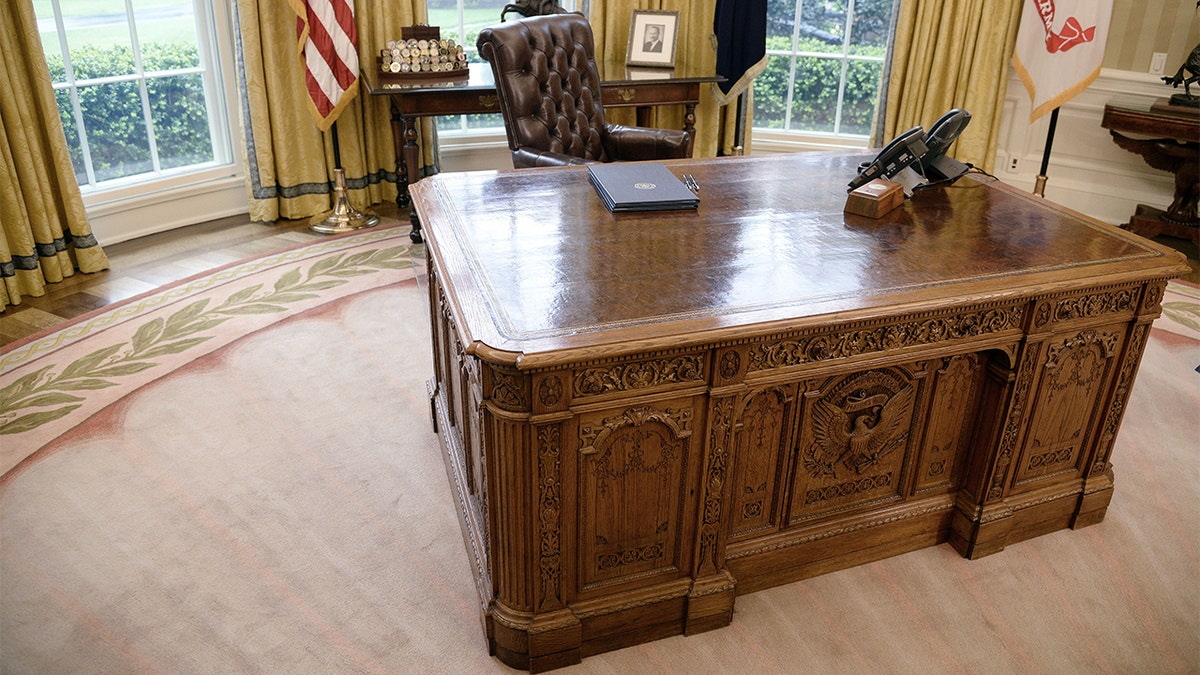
146	263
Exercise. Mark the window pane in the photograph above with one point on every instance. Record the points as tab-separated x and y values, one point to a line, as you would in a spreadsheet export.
872	24
824	22
770	93
97	36
858	102
476	16
63	98
163	22
181	129
781	19
814	99
116	128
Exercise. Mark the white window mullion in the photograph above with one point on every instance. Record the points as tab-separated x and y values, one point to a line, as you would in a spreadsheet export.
791	87
214	90
73	93
845	69
143	91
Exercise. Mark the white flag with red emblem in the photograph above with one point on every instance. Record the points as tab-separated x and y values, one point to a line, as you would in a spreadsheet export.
1060	47
328	44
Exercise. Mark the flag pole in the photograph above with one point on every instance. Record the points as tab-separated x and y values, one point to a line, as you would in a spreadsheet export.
1039	185
344	217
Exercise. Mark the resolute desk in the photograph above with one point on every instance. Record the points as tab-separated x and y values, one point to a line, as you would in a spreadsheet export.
645	415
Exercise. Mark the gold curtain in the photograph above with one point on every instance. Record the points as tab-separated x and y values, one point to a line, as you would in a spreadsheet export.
44	228
290	160
952	54
714	122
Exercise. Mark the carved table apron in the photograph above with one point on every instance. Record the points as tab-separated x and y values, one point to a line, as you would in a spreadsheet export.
644	415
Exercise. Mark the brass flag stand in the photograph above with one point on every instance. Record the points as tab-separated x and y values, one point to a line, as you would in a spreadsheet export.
344	217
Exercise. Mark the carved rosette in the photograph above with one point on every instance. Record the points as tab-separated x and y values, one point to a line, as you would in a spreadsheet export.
730	364
714	485
1152	298
846	344
1041	315
550	391
1116	408
1012	427
638	375
549	516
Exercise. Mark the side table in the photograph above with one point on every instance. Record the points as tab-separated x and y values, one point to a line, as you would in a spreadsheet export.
1167	138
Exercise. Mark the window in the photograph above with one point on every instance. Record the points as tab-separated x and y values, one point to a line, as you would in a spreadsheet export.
139	90
824	68
461	20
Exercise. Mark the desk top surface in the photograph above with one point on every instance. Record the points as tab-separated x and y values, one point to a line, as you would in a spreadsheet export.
533	262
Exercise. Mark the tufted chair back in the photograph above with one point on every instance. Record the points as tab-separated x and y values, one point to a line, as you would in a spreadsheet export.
549	92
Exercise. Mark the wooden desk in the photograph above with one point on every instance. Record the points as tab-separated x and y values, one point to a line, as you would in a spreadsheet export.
622	87
645	415
1167	138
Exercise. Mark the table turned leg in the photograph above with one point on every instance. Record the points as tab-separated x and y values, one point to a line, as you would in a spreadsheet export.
412	171
689	125
402	197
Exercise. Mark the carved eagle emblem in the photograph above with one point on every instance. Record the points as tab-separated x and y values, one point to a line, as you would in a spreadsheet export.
858	429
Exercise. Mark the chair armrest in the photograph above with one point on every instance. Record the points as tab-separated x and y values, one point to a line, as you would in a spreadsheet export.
640	143
525	158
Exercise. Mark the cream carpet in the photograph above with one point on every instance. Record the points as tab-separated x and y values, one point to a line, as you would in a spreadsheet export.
269	497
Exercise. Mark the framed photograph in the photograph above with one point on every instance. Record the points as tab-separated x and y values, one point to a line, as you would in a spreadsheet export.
652	38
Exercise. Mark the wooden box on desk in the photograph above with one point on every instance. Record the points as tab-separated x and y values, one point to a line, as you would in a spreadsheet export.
875	198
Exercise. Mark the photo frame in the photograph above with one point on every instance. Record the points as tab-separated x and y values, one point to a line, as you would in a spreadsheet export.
652	38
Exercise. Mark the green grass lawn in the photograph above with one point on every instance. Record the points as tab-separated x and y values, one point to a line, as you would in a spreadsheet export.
117	31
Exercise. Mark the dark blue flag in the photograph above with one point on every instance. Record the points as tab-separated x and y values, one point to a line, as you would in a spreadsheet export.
740	27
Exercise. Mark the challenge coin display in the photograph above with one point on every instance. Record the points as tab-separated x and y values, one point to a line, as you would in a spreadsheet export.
422	57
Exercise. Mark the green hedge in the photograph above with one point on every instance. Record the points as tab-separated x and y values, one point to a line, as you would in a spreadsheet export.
113	117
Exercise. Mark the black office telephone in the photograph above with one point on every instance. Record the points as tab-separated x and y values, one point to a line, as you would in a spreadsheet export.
895	157
915	158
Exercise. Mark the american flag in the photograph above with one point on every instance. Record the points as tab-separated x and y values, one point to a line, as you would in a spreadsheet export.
328	43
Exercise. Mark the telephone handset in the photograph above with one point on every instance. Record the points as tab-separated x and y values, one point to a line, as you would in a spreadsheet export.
905	150
935	165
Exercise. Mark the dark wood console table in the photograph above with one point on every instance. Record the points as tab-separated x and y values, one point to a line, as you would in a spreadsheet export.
622	87
645	415
1167	139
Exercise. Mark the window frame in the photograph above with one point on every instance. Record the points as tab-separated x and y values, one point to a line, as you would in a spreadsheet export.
788	139
215	42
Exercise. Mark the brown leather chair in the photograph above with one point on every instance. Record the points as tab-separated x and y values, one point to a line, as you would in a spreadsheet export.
549	92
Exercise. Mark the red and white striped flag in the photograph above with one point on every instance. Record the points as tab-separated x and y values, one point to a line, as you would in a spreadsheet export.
1060	46
328	44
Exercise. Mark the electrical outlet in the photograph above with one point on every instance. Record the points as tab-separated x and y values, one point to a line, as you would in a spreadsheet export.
1014	164
1158	62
